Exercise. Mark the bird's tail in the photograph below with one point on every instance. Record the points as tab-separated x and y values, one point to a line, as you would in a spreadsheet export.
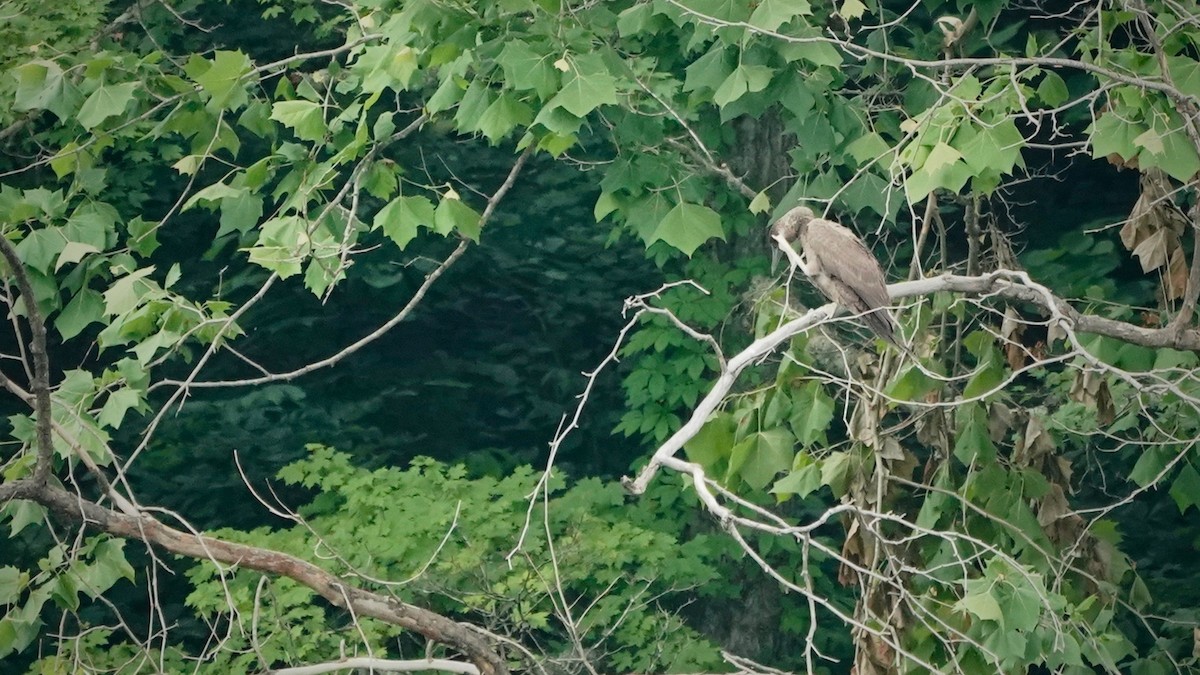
883	324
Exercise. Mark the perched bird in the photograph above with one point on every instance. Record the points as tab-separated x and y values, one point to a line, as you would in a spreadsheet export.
840	266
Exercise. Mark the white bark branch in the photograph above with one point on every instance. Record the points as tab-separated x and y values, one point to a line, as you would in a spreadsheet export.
1002	283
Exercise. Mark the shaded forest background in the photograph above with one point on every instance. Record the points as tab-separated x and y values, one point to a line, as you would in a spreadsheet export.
480	376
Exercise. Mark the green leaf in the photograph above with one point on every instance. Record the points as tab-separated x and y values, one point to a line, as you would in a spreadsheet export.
41	86
852	9
125	293
1111	135
972	442
240	212
502	116
713	442
986	380
981	603
475	100
118	403
527	70
1052	89
1176	156
761	203
771	455
687	226
211	195
867	148
1151	464
710	70
73	252
401	218
634	19
1186	488
383	66
606	203
814	411
41	247
87	307
111	565
107	101
744	79
223	80
587	86
451	214
941	156
771	14
803	479
1185	73
812	47
280	245
835	471
996	148
143	235
305	118
12	582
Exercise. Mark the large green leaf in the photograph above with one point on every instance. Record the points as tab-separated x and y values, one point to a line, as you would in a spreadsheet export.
109	100
687	226
225	80
587	85
305	118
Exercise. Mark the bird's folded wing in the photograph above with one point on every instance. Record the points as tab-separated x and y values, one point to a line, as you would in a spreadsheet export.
842	256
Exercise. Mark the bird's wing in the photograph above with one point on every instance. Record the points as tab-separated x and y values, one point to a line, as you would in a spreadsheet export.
843	257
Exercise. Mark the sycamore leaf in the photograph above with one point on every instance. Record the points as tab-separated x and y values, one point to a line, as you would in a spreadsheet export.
687	226
222	81
85	308
73	252
772	454
713	442
401	218
1052	89
105	102
982	604
584	91
451	214
852	9
305	118
771	14
761	203
502	116
743	80
525	69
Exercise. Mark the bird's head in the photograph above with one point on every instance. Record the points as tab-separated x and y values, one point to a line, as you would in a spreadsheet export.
789	226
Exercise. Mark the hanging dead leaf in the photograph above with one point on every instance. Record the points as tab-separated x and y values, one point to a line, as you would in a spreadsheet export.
864	426
890	449
1175	281
1035	445
1011	330
1000	421
1154	230
931	430
852	551
1054	506
1152	251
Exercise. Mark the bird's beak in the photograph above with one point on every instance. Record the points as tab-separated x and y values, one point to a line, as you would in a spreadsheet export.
776	254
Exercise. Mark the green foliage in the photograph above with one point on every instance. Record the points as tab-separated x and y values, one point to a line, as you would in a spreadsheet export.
157	178
444	537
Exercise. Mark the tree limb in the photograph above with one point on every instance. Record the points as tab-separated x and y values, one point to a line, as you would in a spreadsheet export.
1001	283
68	507
41	362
